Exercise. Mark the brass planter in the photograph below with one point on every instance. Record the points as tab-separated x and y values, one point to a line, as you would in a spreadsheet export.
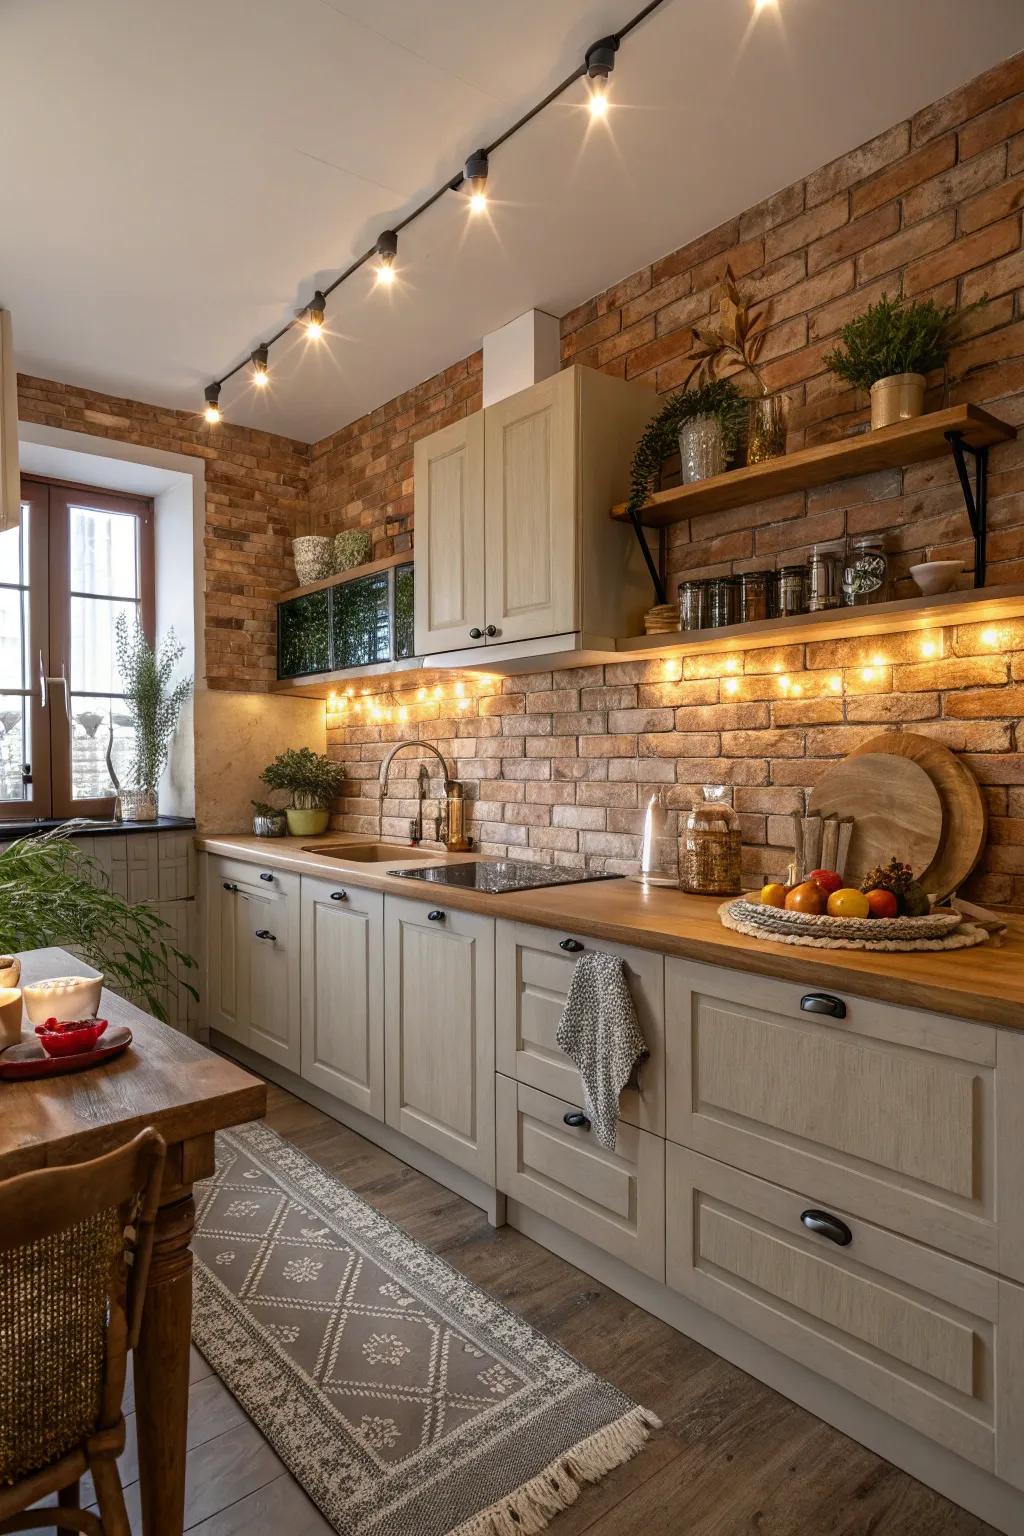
897	398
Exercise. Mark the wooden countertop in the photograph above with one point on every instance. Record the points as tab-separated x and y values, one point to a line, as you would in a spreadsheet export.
985	983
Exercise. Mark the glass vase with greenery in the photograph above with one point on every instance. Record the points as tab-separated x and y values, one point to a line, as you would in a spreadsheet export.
153	704
54	894
312	779
718	399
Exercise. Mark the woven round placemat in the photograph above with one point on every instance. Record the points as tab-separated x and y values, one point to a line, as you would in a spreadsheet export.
939	930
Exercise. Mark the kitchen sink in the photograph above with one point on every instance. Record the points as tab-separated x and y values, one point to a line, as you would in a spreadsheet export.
370	853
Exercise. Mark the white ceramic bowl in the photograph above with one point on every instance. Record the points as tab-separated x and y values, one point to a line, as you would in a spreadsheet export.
64	998
936	576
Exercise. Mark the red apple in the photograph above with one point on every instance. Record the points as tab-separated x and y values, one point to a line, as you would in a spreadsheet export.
827	879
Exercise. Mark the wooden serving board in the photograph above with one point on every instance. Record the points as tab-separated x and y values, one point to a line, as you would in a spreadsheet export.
896	809
964	814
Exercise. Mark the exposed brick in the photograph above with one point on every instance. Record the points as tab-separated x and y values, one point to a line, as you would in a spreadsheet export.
910	244
1000	277
992	128
990	206
807	227
853	237
954	185
973	251
995	85
984	703
858	164
906	173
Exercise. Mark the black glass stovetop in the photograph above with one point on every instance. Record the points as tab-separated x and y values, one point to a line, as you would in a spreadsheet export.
496	876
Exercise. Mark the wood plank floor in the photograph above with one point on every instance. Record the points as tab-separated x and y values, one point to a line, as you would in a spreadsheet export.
734	1459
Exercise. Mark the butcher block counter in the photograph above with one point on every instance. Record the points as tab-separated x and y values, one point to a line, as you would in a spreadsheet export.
985	983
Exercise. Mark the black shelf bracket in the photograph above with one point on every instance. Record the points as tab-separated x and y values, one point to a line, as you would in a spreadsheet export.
659	585
975	496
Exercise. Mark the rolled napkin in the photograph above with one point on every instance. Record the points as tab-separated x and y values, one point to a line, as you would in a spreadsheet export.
599	1032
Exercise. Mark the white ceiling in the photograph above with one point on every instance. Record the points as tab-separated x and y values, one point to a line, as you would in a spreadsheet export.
179	175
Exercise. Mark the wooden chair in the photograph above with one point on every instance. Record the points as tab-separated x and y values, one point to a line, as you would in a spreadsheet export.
75	1245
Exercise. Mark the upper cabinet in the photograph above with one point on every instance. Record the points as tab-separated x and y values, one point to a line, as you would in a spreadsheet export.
513	539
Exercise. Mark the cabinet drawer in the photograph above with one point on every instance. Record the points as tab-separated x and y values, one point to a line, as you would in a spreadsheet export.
616	1200
929	1339
533	975
890	1112
265	877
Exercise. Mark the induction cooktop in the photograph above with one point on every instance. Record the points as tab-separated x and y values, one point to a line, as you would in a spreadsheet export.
497	876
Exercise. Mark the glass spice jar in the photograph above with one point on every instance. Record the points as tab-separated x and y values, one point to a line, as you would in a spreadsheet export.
866	572
723	601
710	846
753	596
823	590
789	590
692	604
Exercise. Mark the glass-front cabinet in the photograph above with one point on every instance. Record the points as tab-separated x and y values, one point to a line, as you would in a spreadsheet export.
359	621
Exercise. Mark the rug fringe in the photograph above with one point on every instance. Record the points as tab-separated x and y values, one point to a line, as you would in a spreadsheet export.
531	1508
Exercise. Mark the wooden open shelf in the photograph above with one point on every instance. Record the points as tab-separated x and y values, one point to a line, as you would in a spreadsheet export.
339	577
983	605
906	443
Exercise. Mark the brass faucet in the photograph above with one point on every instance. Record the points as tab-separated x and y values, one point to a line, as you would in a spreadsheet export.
454	818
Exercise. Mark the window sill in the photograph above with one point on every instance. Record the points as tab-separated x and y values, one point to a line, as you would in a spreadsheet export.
9	830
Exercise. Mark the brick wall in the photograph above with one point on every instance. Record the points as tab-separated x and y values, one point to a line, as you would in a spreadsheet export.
256	501
559	764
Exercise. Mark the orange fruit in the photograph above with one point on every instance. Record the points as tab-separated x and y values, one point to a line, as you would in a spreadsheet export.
773	895
807	897
882	903
848	903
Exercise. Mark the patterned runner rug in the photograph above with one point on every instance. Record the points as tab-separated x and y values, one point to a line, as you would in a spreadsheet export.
401	1396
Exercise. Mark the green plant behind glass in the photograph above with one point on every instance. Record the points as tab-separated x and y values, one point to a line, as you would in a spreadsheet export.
891	337
153	704
51	893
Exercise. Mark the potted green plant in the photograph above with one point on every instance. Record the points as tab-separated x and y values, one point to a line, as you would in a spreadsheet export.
268	820
312	779
889	349
153	706
732	346
705	425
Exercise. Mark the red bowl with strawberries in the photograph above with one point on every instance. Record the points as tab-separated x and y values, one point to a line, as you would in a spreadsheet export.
69	1039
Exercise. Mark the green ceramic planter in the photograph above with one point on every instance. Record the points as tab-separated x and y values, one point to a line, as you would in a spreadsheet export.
307	823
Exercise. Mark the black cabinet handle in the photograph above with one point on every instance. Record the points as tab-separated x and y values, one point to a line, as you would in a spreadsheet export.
265	876
476	634
491	631
437	916
229	887
572	946
265	933
577	1119
827	1226
339	895
823	1002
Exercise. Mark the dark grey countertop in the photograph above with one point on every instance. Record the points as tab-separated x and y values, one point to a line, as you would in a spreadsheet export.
84	827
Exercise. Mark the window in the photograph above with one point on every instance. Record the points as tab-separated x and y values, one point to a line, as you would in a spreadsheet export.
79	558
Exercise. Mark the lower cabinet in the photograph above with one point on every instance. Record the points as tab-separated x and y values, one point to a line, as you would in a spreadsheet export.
343	992
253	968
439	1031
616	1200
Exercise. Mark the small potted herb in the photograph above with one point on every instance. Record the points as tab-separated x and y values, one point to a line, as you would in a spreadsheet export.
312	779
705	424
268	820
889	349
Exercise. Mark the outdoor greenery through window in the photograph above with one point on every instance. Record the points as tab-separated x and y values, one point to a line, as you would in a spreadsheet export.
79	558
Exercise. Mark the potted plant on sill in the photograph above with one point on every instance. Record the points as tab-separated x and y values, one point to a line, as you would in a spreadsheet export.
705	424
153	706
312	779
889	349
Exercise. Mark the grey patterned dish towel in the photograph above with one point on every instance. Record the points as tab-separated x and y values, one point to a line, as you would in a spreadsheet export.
599	1032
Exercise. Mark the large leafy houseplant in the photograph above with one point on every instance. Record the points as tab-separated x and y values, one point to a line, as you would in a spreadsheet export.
51	893
151	700
660	438
312	779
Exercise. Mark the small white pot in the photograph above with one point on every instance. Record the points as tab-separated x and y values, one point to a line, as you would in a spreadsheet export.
935	576
897	398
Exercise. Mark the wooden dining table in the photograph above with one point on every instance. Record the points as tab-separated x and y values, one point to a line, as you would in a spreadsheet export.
170	1081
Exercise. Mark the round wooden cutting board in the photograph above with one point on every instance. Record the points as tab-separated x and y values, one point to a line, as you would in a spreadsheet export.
964	815
896	809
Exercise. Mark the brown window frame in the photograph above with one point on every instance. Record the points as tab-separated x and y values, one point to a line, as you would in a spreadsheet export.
49	750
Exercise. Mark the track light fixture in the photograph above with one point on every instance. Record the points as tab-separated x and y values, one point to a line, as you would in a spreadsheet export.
260	364
387	250
475	177
212	397
600	61
313	316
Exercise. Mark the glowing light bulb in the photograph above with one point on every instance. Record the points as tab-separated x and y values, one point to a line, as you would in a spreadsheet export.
797	689
879	661
867	674
598	99
460	689
732	665
260	380
989	637
349	692
836	684
212	415
731	685
313	316
784	684
421	694
385	276
314	329
437	691
929	648
358	706
478	202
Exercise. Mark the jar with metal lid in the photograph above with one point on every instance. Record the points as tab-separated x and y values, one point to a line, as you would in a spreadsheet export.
710	846
866	572
723	606
822	578
789	590
693	604
754	595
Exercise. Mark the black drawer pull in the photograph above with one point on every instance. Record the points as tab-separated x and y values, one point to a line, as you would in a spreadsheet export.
827	1226
339	895
437	916
491	631
476	634
229	887
823	1002
577	1119
265	876
265	933
572	946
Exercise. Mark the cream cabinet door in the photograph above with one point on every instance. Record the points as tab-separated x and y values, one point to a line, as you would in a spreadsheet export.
530	505
253	957
449	517
439	1030
343	992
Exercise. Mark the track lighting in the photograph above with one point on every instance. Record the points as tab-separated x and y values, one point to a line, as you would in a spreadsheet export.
260	362
600	60
313	316
212	411
387	250
475	177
